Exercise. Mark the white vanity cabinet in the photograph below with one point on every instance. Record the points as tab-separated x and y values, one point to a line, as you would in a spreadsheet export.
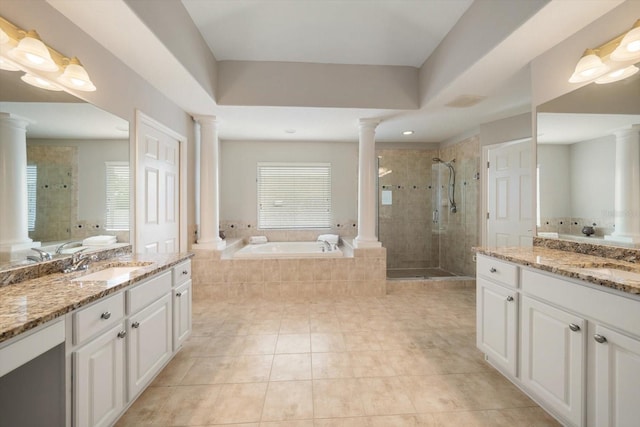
616	385
497	313
99	362
553	356
577	350
181	303
150	331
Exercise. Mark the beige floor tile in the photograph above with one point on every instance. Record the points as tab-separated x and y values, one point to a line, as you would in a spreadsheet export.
371	364
342	422
329	342
337	398
259	344
288	400
394	421
529	417
295	326
361	341
265	327
291	423
289	367
238	403
331	365
432	393
293	343
209	370
251	368
384	396
174	372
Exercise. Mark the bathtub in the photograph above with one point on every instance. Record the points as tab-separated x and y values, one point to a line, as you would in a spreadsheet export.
287	250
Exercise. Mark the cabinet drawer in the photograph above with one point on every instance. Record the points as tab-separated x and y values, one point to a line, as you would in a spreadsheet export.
181	273
104	314
147	292
499	271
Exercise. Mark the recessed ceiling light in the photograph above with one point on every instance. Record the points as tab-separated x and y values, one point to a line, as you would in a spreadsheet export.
290	131
407	132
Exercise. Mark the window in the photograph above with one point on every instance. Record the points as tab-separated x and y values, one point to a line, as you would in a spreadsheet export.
294	195
117	179
32	190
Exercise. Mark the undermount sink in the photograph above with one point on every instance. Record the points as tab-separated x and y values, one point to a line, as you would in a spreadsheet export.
109	275
614	273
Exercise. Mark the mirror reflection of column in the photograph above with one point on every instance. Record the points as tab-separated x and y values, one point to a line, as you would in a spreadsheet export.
14	233
627	186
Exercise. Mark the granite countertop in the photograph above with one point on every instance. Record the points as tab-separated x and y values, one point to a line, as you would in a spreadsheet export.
32	302
573	265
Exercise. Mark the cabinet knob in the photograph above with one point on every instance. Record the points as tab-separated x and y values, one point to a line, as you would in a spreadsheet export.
122	334
105	315
135	325
178	294
599	338
185	272
509	298
492	270
574	327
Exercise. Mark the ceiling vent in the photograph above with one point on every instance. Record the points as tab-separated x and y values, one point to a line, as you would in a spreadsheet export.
465	101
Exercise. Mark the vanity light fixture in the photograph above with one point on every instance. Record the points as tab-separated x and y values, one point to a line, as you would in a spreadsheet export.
43	66
610	62
408	132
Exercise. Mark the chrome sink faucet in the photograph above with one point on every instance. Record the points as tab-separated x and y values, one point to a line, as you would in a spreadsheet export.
79	262
62	246
327	246
43	255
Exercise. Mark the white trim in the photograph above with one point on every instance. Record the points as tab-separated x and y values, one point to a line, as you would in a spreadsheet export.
141	118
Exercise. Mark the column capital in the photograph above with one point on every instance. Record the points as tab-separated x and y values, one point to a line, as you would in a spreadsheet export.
368	123
628	130
200	119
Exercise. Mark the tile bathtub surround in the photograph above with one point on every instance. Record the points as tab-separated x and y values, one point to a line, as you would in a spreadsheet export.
407	359
217	278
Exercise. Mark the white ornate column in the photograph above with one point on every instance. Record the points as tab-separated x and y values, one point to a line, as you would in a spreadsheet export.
14	232
209	232
367	173
627	186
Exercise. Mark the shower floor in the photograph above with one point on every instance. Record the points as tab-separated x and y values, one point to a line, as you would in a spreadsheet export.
417	273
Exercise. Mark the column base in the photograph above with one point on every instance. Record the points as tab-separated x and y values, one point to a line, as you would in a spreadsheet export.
366	243
215	244
635	239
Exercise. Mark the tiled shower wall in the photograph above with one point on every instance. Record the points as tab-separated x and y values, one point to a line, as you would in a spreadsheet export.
405	225
460	231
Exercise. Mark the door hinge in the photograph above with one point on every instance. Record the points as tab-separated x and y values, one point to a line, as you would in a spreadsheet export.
487	215
488	163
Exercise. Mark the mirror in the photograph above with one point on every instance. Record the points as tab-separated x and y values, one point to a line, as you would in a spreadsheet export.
576	137
74	152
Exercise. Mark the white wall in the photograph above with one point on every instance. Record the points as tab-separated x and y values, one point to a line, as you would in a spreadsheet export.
593	177
238	166
554	161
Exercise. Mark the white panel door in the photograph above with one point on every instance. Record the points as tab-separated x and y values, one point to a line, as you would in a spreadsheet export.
617	385
157	207
510	211
552	355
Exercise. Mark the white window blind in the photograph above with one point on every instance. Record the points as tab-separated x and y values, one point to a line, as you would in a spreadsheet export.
294	195
32	191
117	179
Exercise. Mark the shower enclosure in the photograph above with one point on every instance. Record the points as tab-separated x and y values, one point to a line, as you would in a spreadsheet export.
428	210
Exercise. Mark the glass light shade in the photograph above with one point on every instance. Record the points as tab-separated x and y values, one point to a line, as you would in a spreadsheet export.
32	53
629	47
618	75
589	67
8	65
40	82
76	77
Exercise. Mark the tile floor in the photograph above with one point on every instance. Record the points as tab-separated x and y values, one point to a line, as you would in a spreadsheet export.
406	359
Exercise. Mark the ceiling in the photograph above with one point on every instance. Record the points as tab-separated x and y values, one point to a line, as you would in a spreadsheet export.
456	47
569	128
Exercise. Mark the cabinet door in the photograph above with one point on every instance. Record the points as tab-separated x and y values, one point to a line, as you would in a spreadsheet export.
181	314
149	343
98	375
497	310
617	383
552	354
